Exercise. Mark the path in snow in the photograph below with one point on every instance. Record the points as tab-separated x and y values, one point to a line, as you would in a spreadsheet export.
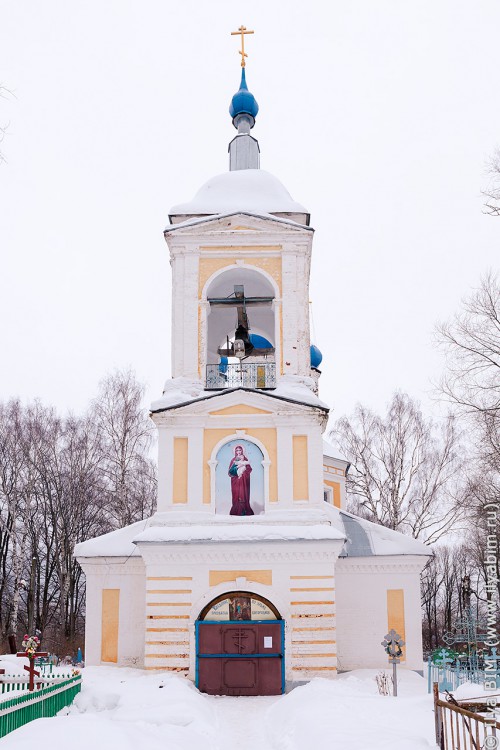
240	722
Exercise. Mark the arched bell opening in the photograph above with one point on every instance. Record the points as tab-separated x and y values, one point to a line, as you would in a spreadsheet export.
240	330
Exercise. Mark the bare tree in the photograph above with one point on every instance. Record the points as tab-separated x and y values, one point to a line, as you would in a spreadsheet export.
441	590
4	94
64	480
471	341
404	469
126	434
12	537
492	192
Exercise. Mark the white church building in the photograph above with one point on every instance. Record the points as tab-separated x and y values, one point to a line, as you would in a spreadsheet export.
251	577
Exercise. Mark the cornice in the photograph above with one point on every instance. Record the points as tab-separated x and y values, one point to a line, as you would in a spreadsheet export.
261	394
376	564
250	554
112	565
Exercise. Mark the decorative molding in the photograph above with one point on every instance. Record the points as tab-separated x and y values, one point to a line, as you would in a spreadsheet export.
243	554
374	564
102	566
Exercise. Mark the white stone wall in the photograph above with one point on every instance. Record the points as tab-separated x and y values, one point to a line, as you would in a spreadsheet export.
302	590
325	629
127	575
362	585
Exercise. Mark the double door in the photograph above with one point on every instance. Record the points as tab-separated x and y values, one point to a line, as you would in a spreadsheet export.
240	657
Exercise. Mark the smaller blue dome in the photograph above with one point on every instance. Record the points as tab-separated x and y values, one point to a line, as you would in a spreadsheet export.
243	102
316	356
260	342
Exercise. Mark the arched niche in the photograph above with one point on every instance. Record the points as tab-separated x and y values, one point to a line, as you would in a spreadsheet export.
239	605
240	476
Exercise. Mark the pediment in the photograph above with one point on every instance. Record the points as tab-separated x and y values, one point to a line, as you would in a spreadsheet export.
238	409
240	222
235	403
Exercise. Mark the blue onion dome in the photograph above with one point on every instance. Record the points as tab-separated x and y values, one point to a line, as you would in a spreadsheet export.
259	342
243	102
316	356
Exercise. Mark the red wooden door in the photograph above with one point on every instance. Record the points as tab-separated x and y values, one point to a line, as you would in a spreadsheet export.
240	658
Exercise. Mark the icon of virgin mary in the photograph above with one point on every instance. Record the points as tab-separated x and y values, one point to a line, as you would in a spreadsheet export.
239	472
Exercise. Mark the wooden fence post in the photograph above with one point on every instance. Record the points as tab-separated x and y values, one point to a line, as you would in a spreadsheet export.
437	716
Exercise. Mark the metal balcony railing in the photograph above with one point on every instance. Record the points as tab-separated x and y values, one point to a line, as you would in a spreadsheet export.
245	374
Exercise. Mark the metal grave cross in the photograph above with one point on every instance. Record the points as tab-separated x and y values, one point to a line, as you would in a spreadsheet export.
393	646
445	660
31	669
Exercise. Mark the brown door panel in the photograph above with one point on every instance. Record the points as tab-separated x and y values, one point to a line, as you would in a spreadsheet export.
238	673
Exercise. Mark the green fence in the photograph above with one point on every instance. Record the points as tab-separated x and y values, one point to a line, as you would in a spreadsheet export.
14	712
11	682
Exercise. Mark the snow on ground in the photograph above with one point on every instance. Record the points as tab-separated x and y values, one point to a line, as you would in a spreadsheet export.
129	709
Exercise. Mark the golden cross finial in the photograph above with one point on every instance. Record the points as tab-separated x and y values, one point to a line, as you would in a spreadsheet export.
242	30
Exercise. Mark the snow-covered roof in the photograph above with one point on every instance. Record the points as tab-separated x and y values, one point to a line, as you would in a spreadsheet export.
114	544
238	533
182	391
362	538
193	526
253	190
366	539
328	450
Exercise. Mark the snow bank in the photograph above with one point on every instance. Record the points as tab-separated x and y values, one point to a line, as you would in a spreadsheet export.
125	708
349	713
131	709
471	690
13	665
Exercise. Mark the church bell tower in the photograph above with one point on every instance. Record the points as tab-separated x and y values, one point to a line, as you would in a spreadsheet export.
241	483
250	574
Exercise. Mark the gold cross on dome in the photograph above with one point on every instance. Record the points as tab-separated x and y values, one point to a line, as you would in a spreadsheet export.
242	31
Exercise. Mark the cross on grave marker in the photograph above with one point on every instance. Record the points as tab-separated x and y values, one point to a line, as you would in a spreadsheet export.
444	661
393	646
31	668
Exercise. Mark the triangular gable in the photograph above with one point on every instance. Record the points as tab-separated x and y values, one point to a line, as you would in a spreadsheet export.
238	409
238	221
210	401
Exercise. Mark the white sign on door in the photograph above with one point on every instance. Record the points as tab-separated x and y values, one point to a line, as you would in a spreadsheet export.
268	641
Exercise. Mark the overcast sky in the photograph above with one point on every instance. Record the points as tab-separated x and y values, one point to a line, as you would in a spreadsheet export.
379	117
